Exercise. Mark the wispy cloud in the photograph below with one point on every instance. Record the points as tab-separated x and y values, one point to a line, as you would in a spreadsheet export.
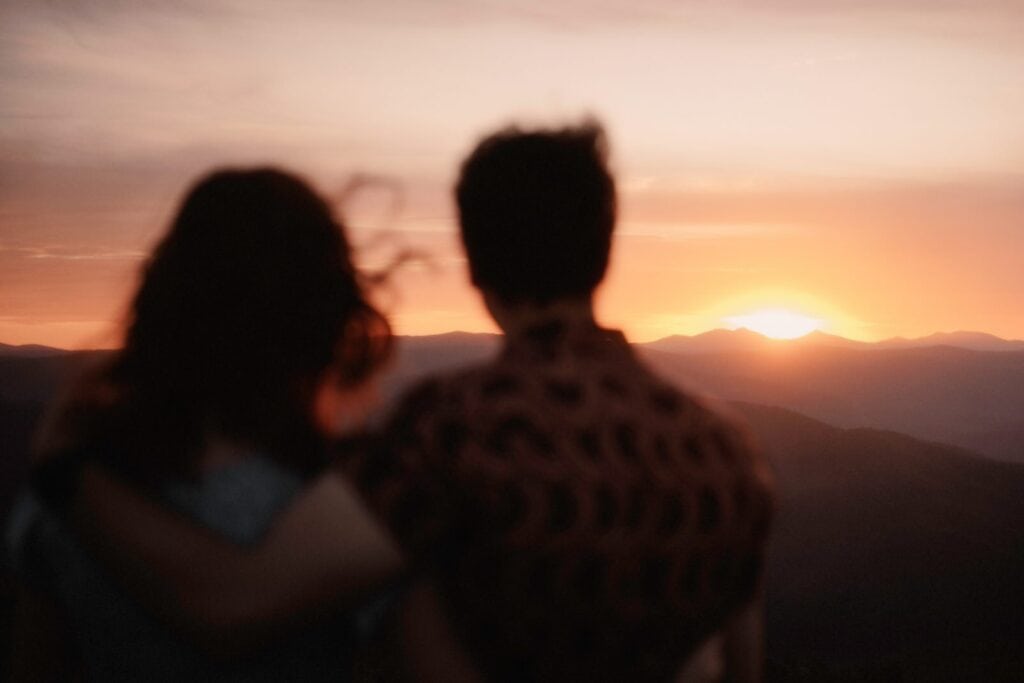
72	253
701	231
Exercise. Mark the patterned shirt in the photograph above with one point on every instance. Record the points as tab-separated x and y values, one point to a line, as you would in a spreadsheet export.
582	519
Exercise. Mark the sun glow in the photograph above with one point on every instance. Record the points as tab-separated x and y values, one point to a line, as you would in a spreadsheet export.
777	323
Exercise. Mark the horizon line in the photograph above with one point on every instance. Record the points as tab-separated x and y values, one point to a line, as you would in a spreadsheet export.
741	329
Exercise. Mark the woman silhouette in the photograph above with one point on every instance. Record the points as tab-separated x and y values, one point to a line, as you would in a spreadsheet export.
249	340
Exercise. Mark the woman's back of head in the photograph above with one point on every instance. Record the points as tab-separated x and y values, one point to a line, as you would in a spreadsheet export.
244	304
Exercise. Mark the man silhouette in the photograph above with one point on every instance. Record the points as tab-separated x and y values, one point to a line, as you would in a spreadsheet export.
578	517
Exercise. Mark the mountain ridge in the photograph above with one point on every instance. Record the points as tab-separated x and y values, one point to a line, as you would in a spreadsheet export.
973	399
716	340
29	350
886	548
744	339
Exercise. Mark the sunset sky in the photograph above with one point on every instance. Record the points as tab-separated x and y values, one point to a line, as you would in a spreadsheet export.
860	162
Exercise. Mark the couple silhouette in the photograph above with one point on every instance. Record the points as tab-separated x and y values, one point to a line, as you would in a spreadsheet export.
557	513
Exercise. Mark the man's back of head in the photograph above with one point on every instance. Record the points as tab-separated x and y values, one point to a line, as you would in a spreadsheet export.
537	209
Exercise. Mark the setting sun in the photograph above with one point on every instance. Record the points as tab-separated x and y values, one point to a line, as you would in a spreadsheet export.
777	323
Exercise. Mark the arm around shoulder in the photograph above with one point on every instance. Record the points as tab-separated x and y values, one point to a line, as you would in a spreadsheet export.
324	554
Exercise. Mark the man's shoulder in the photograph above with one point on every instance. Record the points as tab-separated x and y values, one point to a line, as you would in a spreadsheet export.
442	392
672	399
492	389
631	384
706	421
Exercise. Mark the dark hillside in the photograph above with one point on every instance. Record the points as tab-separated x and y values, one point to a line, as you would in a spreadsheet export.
892	558
891	552
935	393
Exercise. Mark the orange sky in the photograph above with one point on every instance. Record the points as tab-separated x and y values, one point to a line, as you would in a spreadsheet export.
861	162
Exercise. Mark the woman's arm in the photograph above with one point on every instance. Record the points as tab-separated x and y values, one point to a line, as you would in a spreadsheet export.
326	552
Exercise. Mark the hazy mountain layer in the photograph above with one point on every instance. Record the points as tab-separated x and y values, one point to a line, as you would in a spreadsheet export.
891	550
892	558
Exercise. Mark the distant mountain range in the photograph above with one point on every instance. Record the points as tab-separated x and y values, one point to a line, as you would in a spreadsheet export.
742	339
29	350
942	388
969	398
713	341
892	558
956	395
35	378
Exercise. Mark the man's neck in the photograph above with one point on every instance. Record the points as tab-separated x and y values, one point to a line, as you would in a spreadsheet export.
516	317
